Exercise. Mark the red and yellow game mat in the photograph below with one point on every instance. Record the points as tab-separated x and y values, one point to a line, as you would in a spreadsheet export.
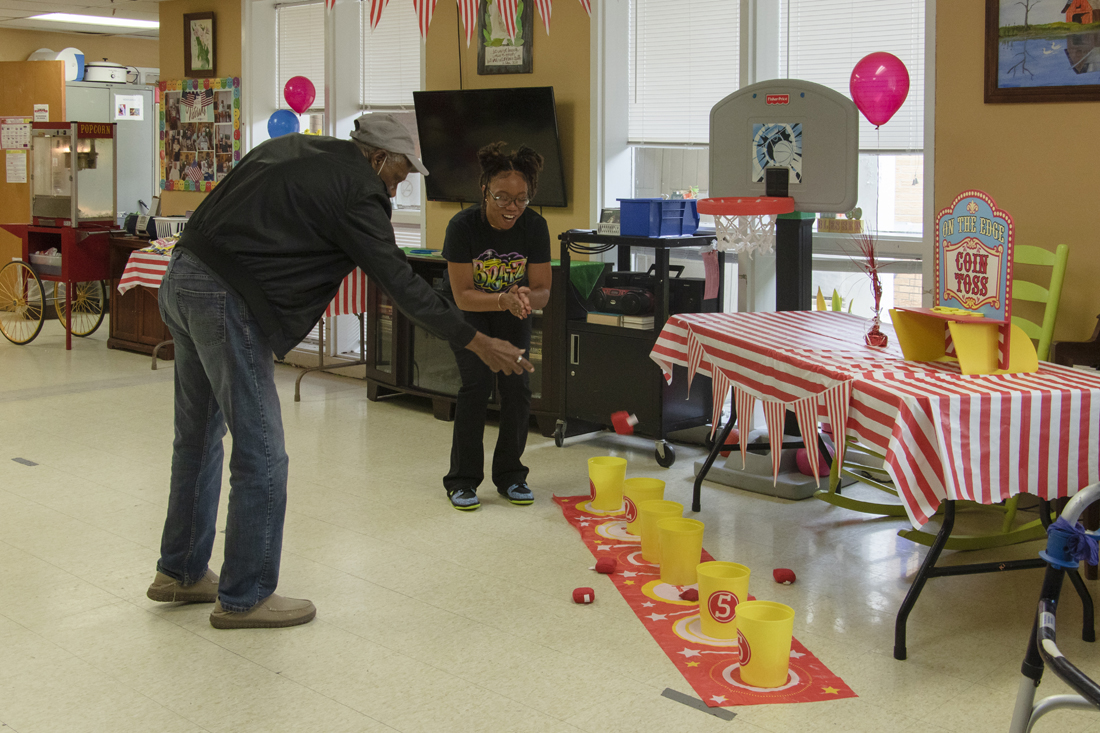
710	666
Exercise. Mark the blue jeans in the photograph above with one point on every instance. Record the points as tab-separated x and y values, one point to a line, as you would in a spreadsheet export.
225	378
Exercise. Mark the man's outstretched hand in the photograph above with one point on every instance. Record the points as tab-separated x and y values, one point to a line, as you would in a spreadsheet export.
499	355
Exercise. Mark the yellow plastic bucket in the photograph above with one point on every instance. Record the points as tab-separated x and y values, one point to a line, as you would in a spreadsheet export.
606	474
722	587
649	513
635	491
765	634
681	542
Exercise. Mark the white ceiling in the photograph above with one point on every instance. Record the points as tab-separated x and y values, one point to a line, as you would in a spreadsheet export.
15	14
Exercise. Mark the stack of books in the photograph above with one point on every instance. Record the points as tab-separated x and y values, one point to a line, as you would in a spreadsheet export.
606	319
643	323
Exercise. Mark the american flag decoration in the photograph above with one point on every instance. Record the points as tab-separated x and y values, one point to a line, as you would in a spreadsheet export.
193	172
508	15
376	8
587	5
544	13
197	102
424	10
467	11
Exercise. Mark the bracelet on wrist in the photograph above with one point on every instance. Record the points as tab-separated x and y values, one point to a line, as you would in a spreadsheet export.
499	296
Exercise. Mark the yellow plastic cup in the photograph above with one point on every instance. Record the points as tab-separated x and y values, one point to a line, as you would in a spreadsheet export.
766	628
606	473
722	587
635	491
649	513
681	542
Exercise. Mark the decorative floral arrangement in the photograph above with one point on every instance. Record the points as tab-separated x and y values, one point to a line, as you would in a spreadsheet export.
867	260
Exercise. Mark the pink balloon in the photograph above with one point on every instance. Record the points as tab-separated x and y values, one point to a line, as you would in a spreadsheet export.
879	85
299	93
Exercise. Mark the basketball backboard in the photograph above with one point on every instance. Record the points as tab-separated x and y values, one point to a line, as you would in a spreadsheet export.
806	129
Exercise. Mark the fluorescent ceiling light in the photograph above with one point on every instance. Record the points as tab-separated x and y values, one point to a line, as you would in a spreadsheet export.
96	20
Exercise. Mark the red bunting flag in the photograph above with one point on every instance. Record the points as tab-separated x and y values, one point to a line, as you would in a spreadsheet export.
376	8
467	11
587	5
544	12
424	10
508	15
330	4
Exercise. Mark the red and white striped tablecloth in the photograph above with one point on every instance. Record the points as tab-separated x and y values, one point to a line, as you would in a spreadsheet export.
147	268
945	435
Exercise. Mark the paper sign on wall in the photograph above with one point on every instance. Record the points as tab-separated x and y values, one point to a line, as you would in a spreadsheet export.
16	166
129	107
15	133
41	113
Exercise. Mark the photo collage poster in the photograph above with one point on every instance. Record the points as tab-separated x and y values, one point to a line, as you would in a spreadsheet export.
200	132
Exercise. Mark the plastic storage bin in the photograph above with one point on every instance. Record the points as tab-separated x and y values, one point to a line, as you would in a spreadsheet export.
658	217
46	264
169	226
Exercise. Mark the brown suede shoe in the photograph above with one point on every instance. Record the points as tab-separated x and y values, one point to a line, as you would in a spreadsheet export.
169	590
273	612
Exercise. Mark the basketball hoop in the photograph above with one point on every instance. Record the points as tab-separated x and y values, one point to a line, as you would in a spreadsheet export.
746	225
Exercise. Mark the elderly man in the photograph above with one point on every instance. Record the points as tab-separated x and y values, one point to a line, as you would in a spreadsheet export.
257	264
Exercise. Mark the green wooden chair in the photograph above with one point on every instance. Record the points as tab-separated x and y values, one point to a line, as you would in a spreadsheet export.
1022	290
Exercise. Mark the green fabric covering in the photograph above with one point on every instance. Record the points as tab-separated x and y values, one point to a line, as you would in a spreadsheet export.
584	274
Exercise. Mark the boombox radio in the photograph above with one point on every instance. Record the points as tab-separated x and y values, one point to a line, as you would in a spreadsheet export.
628	301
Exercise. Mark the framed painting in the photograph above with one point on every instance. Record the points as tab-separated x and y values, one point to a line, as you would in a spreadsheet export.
200	132
497	53
1042	51
198	45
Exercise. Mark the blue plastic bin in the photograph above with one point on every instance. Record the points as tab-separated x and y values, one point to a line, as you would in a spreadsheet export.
657	217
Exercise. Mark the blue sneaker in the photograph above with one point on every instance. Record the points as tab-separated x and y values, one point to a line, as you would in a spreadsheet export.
464	500
518	494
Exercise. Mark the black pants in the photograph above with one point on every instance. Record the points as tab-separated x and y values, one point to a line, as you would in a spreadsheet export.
467	445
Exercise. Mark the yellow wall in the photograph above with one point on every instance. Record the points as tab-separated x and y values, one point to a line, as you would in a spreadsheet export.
17	45
227	62
1037	161
560	60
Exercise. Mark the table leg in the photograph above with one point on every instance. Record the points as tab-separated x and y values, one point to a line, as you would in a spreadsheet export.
923	574
719	443
156	350
68	316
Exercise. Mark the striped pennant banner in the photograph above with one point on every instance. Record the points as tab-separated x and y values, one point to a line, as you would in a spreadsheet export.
587	5
806	412
836	406
544	13
351	298
774	415
376	8
424	11
721	389
744	403
508	15
467	11
695	356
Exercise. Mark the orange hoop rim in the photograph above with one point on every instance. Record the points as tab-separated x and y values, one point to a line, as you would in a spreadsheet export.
746	206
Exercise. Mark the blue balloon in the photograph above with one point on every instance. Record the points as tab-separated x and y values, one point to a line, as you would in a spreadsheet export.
282	122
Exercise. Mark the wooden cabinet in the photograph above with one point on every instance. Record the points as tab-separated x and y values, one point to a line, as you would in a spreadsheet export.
135	319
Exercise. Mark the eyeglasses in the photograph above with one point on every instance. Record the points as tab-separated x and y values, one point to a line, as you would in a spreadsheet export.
504	202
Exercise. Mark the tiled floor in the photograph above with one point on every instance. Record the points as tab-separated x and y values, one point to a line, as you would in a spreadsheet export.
431	619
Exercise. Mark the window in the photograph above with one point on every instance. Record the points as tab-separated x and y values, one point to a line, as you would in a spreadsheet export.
390	59
300	47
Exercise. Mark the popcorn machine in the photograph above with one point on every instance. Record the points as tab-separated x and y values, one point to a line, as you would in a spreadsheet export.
73	167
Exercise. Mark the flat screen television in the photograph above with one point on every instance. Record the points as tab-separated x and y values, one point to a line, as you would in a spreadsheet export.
454	125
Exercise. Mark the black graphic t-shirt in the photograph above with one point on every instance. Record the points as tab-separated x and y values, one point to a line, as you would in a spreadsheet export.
500	258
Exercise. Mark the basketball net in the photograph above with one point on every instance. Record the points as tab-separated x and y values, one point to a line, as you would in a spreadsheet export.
745	234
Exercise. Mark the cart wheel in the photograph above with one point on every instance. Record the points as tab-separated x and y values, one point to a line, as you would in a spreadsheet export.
665	455
559	433
89	299
21	303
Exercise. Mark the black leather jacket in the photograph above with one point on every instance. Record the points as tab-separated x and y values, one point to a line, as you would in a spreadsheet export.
291	220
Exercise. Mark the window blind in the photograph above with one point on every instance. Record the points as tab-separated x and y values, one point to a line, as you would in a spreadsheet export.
300	49
390	57
822	40
684	57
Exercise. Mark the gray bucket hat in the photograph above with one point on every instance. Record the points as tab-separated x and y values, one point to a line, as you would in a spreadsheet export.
386	133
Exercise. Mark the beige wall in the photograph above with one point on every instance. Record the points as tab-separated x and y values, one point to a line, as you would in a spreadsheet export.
1028	157
561	60
227	62
17	45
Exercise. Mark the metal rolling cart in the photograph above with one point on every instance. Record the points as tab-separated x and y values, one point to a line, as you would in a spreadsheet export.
608	369
72	206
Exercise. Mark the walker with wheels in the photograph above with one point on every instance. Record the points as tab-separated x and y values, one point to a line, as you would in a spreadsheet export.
1067	545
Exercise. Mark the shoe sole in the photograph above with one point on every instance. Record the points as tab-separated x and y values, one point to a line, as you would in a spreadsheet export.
168	595
473	508
521	502
219	622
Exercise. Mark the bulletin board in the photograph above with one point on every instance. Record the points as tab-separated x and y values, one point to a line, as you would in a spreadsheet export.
200	132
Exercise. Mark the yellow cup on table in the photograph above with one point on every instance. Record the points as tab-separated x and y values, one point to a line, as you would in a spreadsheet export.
649	513
635	491
765	634
681	542
606	474
722	587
